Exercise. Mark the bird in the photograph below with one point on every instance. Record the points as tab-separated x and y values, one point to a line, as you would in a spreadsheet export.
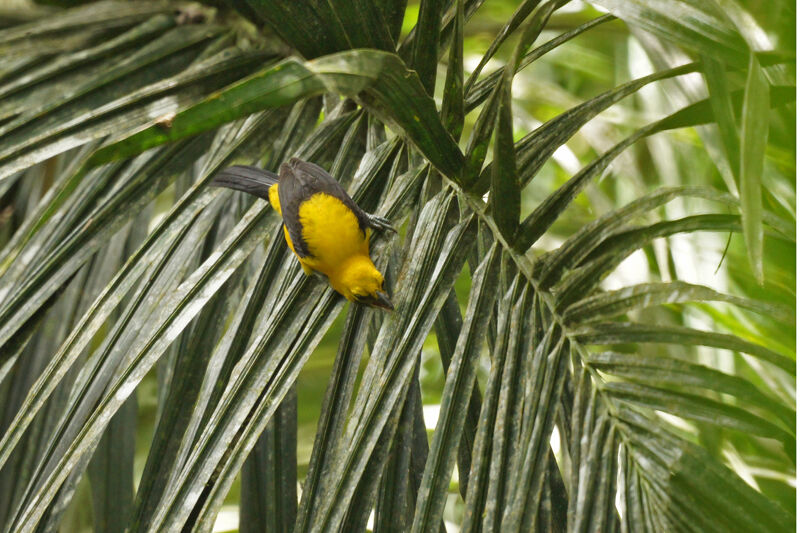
324	228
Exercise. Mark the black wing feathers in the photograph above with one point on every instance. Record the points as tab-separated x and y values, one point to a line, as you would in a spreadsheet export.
252	180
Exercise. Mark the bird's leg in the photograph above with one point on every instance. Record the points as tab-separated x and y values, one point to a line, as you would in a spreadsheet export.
380	223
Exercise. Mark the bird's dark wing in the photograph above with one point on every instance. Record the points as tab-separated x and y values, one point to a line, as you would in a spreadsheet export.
299	181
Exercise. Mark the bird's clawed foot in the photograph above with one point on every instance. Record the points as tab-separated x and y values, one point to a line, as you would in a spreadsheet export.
380	223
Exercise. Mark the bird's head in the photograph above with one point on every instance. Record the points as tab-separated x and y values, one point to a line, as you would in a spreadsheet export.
359	281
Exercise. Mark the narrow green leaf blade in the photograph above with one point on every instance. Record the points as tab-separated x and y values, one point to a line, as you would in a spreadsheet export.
623	333
111	472
722	106
611	304
453	96
755	127
506	190
425	49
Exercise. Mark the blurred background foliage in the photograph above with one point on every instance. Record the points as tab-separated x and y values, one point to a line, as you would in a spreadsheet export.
608	55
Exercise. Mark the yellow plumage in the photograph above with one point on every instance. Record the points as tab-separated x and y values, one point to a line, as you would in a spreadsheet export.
339	248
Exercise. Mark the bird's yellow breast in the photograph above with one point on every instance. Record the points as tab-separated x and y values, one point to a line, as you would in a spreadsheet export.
331	232
338	247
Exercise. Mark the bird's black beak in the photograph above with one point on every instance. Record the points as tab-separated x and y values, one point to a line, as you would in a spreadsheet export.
382	301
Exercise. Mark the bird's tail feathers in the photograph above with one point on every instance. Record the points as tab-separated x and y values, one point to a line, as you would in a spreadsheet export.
252	180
